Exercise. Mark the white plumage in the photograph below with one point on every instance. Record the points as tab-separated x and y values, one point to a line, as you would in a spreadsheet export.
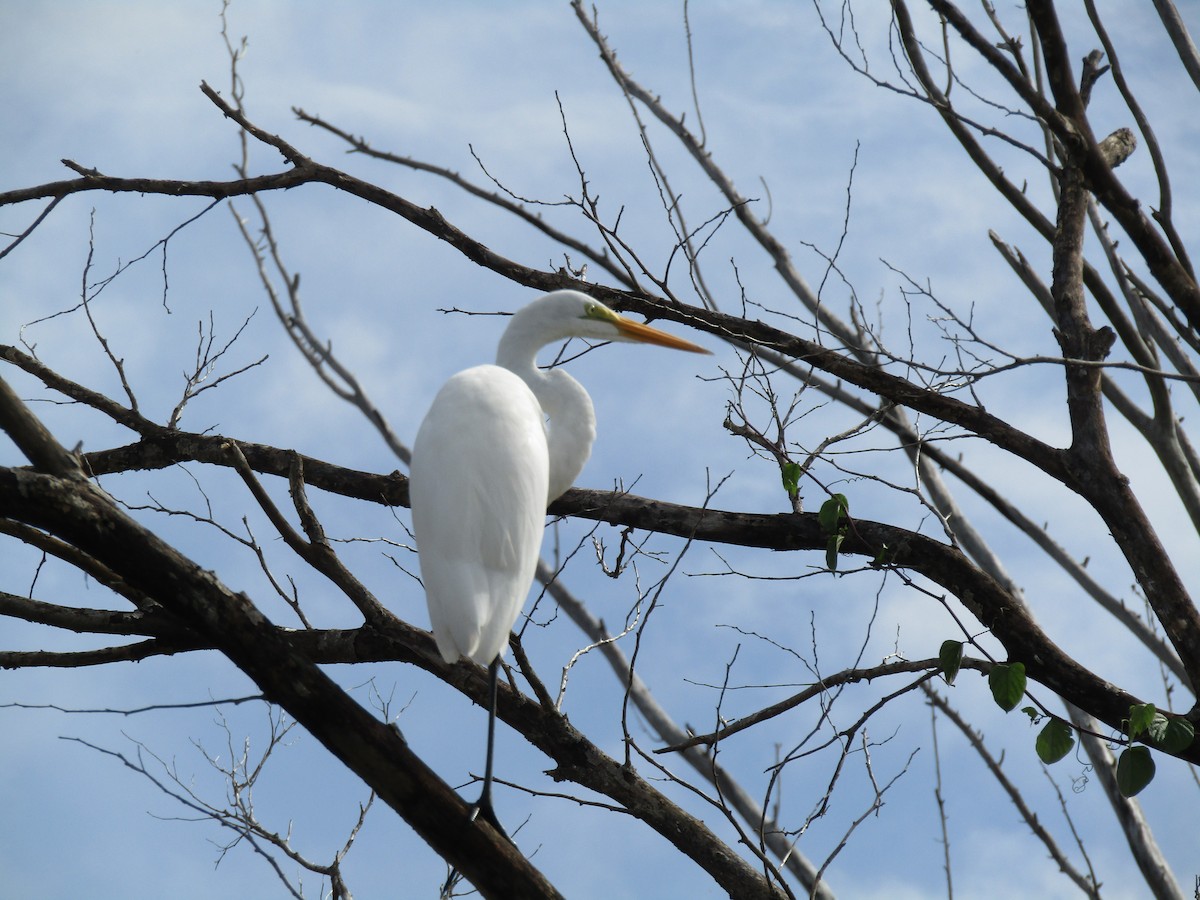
475	473
486	464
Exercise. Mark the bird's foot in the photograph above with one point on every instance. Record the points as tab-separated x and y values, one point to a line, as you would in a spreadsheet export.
483	810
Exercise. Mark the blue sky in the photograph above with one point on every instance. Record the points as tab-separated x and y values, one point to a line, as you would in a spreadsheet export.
115	86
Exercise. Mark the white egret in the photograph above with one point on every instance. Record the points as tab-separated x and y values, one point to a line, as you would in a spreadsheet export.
484	467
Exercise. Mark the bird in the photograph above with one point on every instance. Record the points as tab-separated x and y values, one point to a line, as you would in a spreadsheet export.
486	464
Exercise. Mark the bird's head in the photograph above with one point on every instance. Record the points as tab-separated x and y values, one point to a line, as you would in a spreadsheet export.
573	314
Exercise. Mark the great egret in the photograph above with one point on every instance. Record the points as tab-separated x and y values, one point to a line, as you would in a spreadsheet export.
484	467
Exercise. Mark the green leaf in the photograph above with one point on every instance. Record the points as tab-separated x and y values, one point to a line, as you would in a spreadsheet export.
950	658
1034	714
1135	770
832	512
1054	741
1157	728
832	517
1172	735
1007	681
1141	717
831	551
791	473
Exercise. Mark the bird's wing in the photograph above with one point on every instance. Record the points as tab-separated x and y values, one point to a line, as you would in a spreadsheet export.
478	491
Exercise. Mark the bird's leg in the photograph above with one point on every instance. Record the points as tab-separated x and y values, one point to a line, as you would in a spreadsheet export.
483	806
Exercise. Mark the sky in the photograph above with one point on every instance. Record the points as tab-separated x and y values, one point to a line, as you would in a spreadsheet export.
115	86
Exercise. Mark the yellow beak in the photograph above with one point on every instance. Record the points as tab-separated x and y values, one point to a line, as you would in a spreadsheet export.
636	331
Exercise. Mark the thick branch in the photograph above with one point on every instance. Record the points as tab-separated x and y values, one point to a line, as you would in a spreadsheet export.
76	511
32	438
1090	470
229	622
940	563
1091	463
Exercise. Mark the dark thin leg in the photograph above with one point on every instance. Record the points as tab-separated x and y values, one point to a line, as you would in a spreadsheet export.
483	806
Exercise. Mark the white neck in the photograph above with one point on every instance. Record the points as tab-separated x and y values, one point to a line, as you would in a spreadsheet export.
572	420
